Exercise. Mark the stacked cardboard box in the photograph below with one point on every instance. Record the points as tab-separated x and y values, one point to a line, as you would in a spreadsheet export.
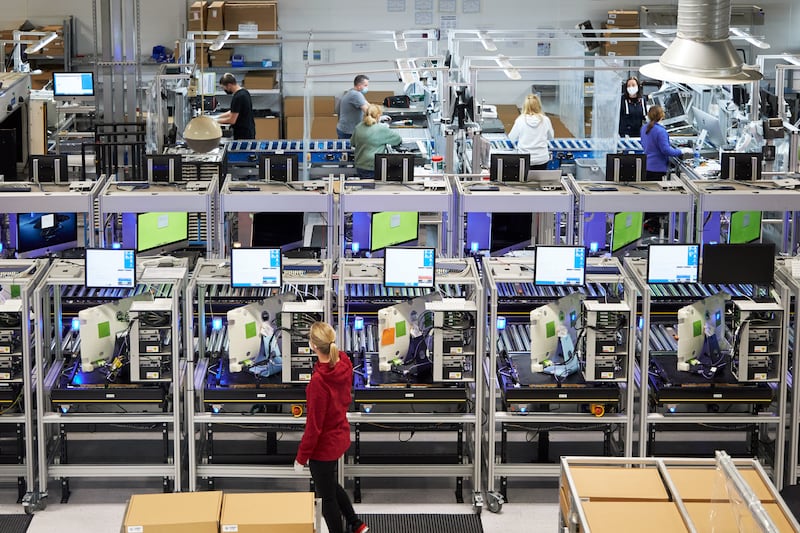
621	20
216	16
323	125
198	16
251	16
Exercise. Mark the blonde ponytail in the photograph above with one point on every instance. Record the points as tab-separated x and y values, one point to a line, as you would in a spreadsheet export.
334	353
323	336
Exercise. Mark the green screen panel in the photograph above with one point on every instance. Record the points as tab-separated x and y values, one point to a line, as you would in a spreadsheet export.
627	229
393	227
745	227
160	229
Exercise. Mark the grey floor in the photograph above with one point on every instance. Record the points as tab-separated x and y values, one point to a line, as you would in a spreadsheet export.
98	507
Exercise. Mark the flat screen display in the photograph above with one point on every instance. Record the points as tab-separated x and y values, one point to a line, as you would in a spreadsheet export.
42	233
626	167
745	227
509	167
627	229
389	228
255	267
740	166
278	167
394	167
110	268
164	168
673	263
738	263
278	229
156	230
73	84
409	267
560	265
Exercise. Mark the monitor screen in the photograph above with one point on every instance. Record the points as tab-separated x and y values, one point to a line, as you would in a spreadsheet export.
78	85
278	167
409	267
712	126
278	230
560	265
745	227
159	230
738	263
509	231
255	267
673	263
388	228
39	234
509	167
163	168
626	167
394	167
48	168
627	229
110	268
741	166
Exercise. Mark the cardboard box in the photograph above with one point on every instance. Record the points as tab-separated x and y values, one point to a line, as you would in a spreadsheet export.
323	106
620	48
324	127
706	484
279	512
268	128
622	18
293	106
38	81
609	483
201	55
631	517
216	18
560	129
293	127
180	512
221	58
255	16
260	79
377	97
198	16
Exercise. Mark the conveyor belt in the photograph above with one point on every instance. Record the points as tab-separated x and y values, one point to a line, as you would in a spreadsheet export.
321	151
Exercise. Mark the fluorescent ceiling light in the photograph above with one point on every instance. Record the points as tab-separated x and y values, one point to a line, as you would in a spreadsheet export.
508	69
487	42
44	41
400	41
749	38
220	41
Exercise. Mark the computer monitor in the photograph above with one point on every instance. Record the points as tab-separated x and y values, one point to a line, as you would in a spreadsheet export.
390	228
745	227
39	234
110	268
509	167
626	229
163	168
409	267
673	263
161	232
560	265
740	166
739	263
509	231
626	167
712	125
278	230
394	167
278	167
48	168
256	267
73	86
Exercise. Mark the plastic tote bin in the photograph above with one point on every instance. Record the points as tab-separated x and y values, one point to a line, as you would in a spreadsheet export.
590	170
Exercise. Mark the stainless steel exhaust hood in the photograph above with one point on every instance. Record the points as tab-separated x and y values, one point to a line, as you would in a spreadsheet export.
701	52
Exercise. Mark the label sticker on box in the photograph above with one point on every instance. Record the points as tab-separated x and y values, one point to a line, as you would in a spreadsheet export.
230	528
135	529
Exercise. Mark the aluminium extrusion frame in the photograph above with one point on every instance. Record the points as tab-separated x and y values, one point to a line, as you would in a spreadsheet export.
62	275
649	419
368	273
208	274
609	272
25	274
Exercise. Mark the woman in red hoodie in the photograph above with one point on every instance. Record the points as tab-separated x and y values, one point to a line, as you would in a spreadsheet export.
327	434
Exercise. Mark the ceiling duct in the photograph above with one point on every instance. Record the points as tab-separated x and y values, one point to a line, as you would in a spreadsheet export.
701	52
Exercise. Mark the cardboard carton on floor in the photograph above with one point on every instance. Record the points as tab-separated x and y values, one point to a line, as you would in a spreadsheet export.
278	512
180	512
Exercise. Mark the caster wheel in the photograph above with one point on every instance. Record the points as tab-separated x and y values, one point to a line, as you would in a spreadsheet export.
494	501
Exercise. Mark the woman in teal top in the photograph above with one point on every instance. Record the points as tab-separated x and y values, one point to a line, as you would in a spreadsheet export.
369	138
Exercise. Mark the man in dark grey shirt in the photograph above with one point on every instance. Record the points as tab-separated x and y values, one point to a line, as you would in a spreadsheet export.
352	107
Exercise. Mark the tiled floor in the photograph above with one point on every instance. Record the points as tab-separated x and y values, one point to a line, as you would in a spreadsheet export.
99	507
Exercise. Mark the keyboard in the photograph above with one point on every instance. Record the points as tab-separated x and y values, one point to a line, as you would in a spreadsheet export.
15	186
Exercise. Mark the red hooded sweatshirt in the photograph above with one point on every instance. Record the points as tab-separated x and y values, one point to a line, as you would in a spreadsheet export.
328	397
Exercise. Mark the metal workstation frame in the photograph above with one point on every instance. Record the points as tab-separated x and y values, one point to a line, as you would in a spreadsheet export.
18	281
429	407
141	410
732	195
784	273
686	402
675	199
514	198
273	197
511	291
207	417
356	197
180	197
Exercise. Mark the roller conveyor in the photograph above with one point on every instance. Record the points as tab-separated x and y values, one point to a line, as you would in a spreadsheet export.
319	151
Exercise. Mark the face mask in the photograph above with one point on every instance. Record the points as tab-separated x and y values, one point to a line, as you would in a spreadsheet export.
364	90
633	91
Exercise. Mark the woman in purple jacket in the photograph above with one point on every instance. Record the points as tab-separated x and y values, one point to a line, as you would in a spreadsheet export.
655	141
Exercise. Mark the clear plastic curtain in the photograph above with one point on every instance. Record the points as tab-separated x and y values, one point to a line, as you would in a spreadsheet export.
570	90
155	110
605	110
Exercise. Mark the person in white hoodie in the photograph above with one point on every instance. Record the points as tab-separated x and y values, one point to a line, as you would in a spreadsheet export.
531	131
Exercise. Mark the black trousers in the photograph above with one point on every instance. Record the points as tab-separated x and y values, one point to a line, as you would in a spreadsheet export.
335	502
